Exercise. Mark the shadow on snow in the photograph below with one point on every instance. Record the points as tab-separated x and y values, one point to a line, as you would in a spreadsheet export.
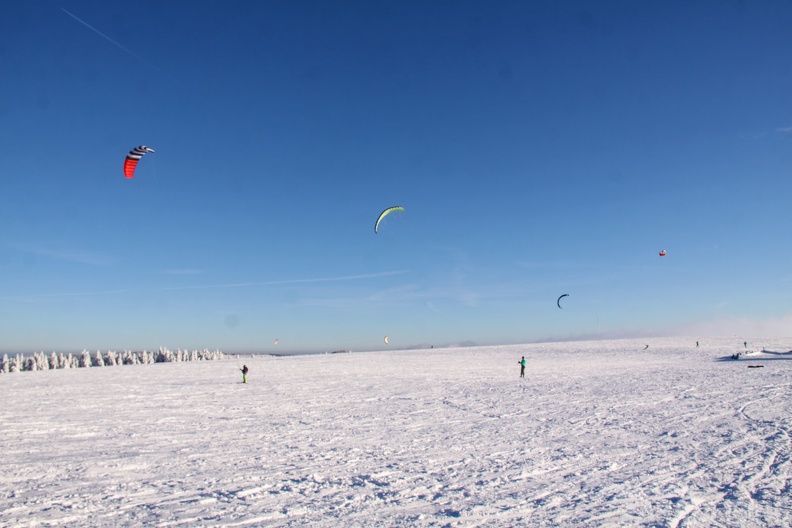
764	355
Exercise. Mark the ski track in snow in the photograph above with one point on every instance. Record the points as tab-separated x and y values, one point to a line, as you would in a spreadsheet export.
597	434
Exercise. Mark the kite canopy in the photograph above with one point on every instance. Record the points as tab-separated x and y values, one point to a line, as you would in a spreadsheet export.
558	301
385	213
662	253
132	159
386	340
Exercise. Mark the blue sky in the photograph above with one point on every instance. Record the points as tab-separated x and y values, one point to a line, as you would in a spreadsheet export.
538	148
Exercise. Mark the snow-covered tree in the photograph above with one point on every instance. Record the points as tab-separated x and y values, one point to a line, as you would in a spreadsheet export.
85	359
164	355
129	358
42	363
146	357
111	359
29	363
70	361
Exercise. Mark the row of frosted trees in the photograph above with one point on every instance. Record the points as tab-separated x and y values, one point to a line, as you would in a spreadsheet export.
42	361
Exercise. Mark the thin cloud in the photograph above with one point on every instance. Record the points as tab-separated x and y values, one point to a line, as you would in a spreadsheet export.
213	286
80	257
784	130
288	281
551	264
417	293
768	327
184	271
70	294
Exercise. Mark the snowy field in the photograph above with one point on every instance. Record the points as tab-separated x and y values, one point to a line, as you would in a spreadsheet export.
597	434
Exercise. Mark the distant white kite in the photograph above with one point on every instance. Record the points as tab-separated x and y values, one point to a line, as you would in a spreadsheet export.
386	340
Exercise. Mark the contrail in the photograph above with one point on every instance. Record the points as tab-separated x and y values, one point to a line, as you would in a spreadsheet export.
86	24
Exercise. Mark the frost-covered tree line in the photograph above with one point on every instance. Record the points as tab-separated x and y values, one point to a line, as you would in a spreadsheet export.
42	361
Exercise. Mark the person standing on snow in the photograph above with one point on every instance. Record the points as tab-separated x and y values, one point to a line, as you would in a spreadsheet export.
522	367
244	370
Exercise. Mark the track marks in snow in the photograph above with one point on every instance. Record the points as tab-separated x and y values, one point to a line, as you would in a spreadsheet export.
595	435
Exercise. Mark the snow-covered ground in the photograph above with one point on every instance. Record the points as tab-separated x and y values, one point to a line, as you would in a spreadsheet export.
597	434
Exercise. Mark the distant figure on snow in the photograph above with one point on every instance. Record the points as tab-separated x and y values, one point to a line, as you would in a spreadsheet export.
647	346
522	367
745	344
244	370
696	344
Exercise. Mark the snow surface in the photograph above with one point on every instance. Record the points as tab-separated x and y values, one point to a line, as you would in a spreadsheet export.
597	434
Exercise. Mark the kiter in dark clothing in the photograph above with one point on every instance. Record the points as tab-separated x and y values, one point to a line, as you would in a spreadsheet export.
244	370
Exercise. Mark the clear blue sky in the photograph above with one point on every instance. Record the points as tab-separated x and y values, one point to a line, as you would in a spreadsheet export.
538	148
